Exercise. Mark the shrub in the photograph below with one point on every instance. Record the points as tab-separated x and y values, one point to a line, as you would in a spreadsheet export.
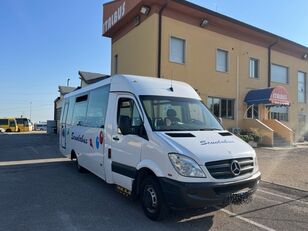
249	136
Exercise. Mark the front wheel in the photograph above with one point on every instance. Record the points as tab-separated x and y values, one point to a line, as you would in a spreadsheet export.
152	200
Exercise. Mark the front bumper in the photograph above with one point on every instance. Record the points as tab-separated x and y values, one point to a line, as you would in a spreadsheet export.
182	195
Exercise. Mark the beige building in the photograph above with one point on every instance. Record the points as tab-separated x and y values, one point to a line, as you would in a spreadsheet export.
252	79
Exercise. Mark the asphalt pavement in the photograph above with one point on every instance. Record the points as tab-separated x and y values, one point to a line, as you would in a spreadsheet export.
41	190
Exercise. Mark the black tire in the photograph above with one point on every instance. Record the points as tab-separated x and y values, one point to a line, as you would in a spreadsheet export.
8	130
80	168
18	129
152	199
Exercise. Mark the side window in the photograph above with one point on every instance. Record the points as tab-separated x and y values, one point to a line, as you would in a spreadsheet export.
80	110
12	123
129	120
3	122
62	111
26	122
70	110
97	107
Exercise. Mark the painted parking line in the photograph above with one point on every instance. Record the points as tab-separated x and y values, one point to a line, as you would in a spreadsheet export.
37	161
246	220
194	218
284	197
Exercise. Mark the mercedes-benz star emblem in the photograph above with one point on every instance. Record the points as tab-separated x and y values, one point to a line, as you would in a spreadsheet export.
235	168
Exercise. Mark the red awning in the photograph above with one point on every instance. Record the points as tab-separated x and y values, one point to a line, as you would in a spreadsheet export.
279	96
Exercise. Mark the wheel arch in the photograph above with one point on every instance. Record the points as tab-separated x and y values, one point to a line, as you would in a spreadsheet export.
73	154
144	169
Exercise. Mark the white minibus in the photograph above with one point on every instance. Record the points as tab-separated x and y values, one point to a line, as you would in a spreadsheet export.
155	140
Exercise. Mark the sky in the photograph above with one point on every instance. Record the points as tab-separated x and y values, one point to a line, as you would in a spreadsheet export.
45	42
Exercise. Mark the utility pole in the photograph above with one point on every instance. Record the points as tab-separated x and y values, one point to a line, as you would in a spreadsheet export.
30	110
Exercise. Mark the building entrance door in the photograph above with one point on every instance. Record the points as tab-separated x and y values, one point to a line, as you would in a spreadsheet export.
302	126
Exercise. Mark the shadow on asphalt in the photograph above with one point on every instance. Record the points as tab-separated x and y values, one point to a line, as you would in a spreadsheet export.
55	196
270	206
28	146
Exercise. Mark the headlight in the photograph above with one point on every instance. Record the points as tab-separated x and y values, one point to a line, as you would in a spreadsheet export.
185	166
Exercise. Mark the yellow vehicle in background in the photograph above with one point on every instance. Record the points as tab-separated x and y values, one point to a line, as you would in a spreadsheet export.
24	125
9	124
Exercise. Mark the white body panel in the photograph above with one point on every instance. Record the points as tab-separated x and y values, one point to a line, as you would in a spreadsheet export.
93	145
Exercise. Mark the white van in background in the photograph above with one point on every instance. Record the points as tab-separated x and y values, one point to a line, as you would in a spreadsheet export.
41	126
156	140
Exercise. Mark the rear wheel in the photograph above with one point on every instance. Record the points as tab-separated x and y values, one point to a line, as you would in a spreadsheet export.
152	200
79	167
8	130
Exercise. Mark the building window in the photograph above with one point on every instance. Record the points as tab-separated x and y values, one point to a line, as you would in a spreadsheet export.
220	107
221	60
279	74
253	112
177	50
279	113
254	68
301	85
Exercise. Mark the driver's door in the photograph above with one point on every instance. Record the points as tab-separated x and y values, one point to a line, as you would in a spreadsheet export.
126	142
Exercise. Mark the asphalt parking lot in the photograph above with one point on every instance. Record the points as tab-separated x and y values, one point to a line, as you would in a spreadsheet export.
40	190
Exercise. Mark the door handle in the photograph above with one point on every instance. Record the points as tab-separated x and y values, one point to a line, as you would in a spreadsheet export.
116	138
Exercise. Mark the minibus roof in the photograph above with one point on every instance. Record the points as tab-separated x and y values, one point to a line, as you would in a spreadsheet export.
140	85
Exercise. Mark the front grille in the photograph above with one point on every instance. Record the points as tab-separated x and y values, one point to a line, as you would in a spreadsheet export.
222	169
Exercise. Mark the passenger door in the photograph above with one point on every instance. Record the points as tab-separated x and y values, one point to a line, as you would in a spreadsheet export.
128	137
63	133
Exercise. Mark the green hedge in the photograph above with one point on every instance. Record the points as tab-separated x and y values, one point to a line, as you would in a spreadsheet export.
249	136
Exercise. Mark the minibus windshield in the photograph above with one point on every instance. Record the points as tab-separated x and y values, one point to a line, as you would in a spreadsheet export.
178	114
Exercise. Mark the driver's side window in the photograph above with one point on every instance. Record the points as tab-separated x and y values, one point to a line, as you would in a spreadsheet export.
128	118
